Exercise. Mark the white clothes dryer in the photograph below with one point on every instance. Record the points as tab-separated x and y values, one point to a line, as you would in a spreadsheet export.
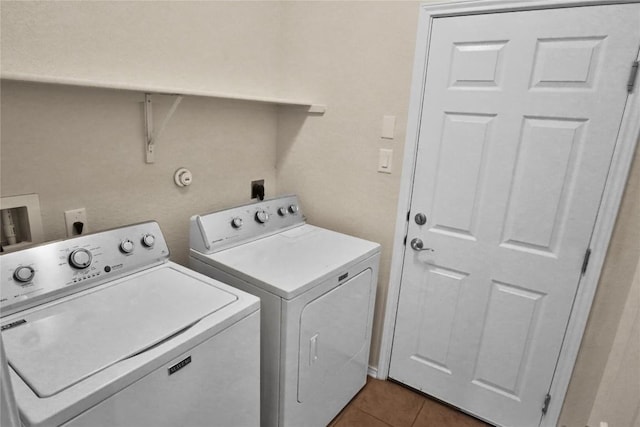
317	289
103	330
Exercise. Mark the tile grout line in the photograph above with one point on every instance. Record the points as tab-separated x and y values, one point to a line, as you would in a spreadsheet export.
351	403
386	423
419	410
373	416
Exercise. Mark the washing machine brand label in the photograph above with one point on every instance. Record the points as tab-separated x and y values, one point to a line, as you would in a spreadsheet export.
181	364
13	324
344	276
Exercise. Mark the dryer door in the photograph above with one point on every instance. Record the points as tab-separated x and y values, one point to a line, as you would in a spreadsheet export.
334	337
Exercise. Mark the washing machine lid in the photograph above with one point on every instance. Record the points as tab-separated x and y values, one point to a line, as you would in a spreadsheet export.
291	262
62	344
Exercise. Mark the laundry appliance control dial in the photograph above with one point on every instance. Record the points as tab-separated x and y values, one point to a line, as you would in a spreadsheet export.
58	269
148	240
282	211
126	246
262	216
80	258
24	274
293	209
236	222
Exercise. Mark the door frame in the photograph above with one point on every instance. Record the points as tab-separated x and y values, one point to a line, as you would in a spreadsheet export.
624	150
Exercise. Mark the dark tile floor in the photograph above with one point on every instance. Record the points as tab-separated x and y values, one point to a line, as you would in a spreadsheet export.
387	404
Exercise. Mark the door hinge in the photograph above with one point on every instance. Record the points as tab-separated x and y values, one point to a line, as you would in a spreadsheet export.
585	262
408	216
545	405
632	76
405	241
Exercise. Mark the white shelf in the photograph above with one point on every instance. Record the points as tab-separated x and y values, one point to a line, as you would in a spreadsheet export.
153	135
311	107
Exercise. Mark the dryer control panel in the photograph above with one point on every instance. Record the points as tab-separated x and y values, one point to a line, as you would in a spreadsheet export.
223	229
44	273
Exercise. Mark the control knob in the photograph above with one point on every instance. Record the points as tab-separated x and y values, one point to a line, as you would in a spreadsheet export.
148	240
126	246
294	209
236	222
282	211
262	216
24	274
80	258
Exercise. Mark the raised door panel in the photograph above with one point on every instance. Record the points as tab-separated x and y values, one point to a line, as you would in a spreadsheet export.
548	157
437	299
459	179
510	322
566	63
477	65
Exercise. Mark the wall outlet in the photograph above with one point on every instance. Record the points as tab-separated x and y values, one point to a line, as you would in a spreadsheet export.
257	189
76	222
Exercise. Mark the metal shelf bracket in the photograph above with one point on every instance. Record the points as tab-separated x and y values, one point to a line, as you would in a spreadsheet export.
151	136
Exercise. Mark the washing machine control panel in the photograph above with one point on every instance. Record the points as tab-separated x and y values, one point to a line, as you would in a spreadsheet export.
43	273
223	229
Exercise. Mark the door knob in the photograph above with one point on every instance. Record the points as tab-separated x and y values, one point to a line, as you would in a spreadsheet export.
417	245
421	219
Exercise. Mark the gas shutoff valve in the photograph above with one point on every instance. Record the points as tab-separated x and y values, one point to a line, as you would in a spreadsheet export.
183	177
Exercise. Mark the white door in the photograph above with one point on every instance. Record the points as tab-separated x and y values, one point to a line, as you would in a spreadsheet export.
519	121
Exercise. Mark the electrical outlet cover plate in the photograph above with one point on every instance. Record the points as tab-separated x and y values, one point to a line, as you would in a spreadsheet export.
257	186
73	216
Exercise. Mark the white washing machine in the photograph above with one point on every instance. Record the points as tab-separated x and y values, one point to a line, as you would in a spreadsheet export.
103	330
317	290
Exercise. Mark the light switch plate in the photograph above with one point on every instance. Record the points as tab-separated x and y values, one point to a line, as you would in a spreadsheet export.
385	160
388	126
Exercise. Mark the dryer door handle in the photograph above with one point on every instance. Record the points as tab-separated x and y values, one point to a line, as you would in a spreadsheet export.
313	349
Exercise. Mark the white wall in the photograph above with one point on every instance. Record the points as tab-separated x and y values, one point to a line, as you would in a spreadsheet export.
84	147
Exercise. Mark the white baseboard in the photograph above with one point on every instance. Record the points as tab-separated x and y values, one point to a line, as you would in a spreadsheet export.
372	372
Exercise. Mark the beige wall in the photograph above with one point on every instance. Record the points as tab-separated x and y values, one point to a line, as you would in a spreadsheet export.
612	294
618	398
80	147
212	46
331	161
357	58
84	147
